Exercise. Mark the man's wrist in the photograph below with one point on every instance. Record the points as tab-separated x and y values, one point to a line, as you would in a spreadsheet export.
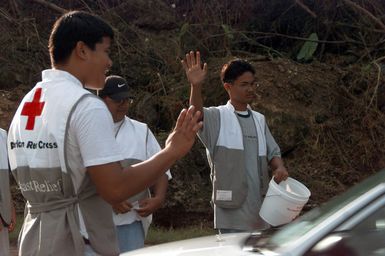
171	154
197	85
160	198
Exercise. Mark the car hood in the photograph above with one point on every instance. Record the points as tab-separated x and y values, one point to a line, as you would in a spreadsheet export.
223	245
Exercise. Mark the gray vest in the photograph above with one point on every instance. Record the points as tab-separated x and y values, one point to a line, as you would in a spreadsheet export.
39	163
227	161
5	194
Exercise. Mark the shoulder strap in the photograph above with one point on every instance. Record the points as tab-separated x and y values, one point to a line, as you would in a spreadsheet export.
147	142
216	136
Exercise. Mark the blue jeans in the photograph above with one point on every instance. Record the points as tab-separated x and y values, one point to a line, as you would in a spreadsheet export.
88	251
130	236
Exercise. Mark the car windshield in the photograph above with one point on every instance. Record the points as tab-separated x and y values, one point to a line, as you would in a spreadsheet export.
303	224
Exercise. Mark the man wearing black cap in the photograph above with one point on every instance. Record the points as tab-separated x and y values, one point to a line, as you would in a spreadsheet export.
137	143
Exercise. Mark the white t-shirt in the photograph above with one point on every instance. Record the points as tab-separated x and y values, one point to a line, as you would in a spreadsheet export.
90	142
152	147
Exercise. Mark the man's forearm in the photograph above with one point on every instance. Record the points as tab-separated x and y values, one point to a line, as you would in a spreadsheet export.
115	184
196	98
160	187
276	162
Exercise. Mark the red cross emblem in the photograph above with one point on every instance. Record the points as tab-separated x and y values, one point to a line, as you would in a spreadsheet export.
33	109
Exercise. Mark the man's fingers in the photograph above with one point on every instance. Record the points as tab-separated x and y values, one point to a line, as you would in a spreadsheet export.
122	207
198	126
198	59
279	176
192	126
184	65
195	124
143	213
186	118
192	58
205	68
180	119
188	60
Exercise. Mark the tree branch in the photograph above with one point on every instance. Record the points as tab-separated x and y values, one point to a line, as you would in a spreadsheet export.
51	5
307	9
366	12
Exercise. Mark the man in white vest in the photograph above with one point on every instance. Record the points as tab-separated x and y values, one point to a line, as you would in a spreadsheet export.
7	209
63	153
239	146
136	143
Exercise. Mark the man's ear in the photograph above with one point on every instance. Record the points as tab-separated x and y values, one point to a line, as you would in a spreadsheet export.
227	86
81	50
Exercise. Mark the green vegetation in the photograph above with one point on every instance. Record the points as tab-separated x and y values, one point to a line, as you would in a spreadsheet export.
308	48
156	235
19	222
159	235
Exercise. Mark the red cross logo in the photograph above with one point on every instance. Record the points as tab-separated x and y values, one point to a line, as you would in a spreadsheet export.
33	109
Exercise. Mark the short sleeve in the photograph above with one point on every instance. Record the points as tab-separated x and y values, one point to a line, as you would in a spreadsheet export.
92	126
273	149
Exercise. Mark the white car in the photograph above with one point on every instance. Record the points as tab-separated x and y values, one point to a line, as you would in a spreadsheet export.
352	224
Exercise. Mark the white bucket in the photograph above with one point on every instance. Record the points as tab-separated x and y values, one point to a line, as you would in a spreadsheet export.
283	201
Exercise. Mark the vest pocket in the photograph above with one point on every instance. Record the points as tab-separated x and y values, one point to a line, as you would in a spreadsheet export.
229	179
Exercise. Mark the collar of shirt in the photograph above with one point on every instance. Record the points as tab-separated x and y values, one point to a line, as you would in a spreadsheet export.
56	74
231	107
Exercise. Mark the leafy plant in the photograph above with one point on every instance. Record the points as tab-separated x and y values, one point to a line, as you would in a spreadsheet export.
308	48
228	32
183	29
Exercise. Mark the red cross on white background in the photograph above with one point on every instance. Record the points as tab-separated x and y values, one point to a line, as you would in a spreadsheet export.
33	109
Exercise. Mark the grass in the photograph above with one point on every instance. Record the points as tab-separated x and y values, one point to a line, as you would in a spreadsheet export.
156	235
159	235
15	233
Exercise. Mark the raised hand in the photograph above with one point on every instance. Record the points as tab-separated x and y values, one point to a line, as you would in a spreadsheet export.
181	139
195	73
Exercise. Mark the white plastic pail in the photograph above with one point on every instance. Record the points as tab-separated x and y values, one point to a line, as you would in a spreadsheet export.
283	201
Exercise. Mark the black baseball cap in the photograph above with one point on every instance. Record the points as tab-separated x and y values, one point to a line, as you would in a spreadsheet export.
116	88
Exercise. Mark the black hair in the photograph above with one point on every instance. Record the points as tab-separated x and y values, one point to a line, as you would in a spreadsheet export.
73	27
235	68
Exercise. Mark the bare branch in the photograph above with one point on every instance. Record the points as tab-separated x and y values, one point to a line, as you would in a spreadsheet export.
307	9
366	12
377	83
51	5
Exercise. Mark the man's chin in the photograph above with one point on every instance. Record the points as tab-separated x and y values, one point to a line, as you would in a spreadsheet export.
120	118
250	100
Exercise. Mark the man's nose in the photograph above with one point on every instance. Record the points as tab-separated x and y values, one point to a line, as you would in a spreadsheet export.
251	87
